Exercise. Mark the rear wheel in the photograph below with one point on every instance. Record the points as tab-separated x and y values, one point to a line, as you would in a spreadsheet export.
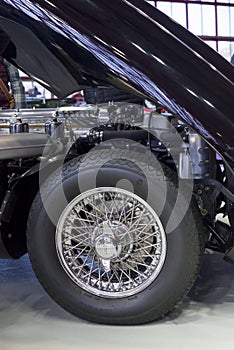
105	255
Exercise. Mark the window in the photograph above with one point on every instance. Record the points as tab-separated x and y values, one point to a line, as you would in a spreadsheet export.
211	20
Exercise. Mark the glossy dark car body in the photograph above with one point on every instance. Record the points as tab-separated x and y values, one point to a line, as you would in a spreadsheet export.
68	45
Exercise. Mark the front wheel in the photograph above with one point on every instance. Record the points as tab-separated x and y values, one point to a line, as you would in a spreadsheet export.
105	255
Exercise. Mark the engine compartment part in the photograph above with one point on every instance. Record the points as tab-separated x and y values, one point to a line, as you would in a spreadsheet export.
200	154
18	127
68	132
109	132
23	145
55	129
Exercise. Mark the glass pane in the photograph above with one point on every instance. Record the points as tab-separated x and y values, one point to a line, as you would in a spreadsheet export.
179	13
232	53
225	49
232	21
208	20
211	44
195	18
201	20
151	3
165	7
223	21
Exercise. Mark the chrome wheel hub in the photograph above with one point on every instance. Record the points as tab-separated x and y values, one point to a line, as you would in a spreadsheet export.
107	247
110	242
110	239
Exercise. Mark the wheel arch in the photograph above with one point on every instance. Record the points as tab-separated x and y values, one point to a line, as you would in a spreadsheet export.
16	208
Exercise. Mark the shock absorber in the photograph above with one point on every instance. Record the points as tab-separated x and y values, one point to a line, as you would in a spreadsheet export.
200	154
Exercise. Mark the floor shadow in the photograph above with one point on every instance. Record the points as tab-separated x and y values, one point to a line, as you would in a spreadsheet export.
20	292
214	287
215	283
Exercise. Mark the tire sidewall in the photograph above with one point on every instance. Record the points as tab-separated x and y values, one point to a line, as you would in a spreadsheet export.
181	260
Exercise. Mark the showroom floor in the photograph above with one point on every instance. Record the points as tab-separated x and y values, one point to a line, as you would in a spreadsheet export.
29	319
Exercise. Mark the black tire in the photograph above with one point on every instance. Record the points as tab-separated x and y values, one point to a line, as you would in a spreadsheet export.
185	245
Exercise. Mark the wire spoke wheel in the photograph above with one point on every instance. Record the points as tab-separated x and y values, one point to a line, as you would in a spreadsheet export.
104	255
110	242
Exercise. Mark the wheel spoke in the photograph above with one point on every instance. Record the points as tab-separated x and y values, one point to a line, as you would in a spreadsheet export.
111	242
